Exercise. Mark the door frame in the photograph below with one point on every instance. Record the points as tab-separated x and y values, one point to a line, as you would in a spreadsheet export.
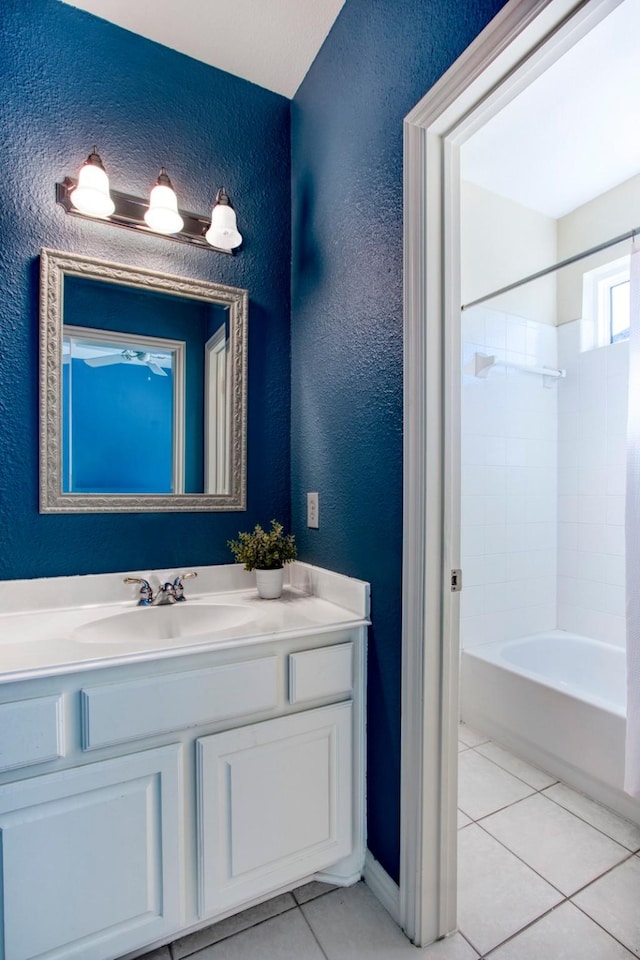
522	41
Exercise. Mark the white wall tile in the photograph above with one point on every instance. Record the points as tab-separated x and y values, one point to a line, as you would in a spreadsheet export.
614	541
472	540
472	601
616	452
615	510
474	480
569	562
592	450
473	449
592	481
496	330
516	452
471	510
568	509
495	538
616	480
496	450
618	361
591	536
517	335
495	510
495	480
592	510
567	536
495	568
509	452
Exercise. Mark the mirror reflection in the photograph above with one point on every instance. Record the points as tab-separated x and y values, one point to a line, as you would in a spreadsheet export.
122	413
144	389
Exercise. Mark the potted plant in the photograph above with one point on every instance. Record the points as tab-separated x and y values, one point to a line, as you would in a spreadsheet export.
266	552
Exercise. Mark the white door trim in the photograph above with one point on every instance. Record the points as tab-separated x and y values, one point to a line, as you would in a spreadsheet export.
519	44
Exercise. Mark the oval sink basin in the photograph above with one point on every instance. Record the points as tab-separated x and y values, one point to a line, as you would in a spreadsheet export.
174	621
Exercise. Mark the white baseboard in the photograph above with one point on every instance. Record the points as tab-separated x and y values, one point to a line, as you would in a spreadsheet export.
382	886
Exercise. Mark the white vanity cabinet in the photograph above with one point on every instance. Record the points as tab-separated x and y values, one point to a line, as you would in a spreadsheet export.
271	797
141	801
91	858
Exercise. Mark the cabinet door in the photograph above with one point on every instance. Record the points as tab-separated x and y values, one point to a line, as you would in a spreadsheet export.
91	858
274	804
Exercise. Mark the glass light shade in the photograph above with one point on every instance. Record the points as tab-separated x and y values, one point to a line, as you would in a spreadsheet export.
92	196
223	231
162	215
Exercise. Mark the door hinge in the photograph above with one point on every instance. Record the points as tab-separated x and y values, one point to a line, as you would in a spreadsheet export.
456	581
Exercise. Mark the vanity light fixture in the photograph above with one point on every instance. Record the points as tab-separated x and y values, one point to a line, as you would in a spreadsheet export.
90	197
162	215
223	231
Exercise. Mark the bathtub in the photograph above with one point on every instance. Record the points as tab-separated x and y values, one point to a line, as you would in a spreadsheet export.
558	700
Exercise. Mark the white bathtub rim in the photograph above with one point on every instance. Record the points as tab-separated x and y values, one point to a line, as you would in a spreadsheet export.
490	653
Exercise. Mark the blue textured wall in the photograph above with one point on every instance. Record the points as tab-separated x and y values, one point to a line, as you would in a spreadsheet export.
71	80
380	58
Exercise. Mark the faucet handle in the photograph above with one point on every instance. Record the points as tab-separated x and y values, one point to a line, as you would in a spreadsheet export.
146	593
178	589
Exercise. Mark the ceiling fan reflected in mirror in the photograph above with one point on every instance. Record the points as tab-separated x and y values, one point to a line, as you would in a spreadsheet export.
150	360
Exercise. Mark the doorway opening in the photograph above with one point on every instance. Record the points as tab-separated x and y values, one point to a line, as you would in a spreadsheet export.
524	43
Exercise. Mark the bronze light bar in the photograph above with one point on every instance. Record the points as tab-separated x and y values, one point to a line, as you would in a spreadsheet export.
129	212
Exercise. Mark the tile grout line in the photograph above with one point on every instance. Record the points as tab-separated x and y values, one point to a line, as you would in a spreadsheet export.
598	924
546	880
251	926
313	933
566	898
236	933
542	792
510	772
632	850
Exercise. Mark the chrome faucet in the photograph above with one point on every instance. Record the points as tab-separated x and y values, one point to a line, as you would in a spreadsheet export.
146	593
178	589
167	593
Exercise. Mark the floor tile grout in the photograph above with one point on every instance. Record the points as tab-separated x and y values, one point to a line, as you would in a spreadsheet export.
510	772
313	933
588	822
566	898
295	906
546	880
598	924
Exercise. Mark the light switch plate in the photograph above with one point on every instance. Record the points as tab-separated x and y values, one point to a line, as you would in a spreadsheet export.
313	515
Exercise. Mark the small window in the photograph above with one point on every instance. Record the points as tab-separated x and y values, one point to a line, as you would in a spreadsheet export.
606	307
619	310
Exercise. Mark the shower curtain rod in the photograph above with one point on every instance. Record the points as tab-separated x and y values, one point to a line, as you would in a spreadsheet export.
629	235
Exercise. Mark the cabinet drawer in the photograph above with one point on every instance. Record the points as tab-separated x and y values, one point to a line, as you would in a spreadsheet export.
30	732
320	673
146	708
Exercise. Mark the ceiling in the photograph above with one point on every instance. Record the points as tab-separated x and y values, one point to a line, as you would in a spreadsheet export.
573	133
269	42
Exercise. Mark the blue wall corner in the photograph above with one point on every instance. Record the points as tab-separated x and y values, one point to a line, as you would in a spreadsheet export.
378	61
72	80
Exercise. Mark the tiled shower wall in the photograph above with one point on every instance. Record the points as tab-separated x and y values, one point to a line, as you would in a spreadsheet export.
592	416
543	483
509	480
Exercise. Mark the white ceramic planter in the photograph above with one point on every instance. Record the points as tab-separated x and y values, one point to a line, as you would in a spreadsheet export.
269	583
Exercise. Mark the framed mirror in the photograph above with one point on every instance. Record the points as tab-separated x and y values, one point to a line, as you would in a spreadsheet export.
142	389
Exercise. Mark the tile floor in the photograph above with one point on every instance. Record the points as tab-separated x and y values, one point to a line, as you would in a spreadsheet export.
544	874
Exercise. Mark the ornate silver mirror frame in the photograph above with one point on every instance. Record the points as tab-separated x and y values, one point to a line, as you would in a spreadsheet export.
54	267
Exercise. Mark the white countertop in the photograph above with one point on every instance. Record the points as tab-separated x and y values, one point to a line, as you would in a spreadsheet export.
45	640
